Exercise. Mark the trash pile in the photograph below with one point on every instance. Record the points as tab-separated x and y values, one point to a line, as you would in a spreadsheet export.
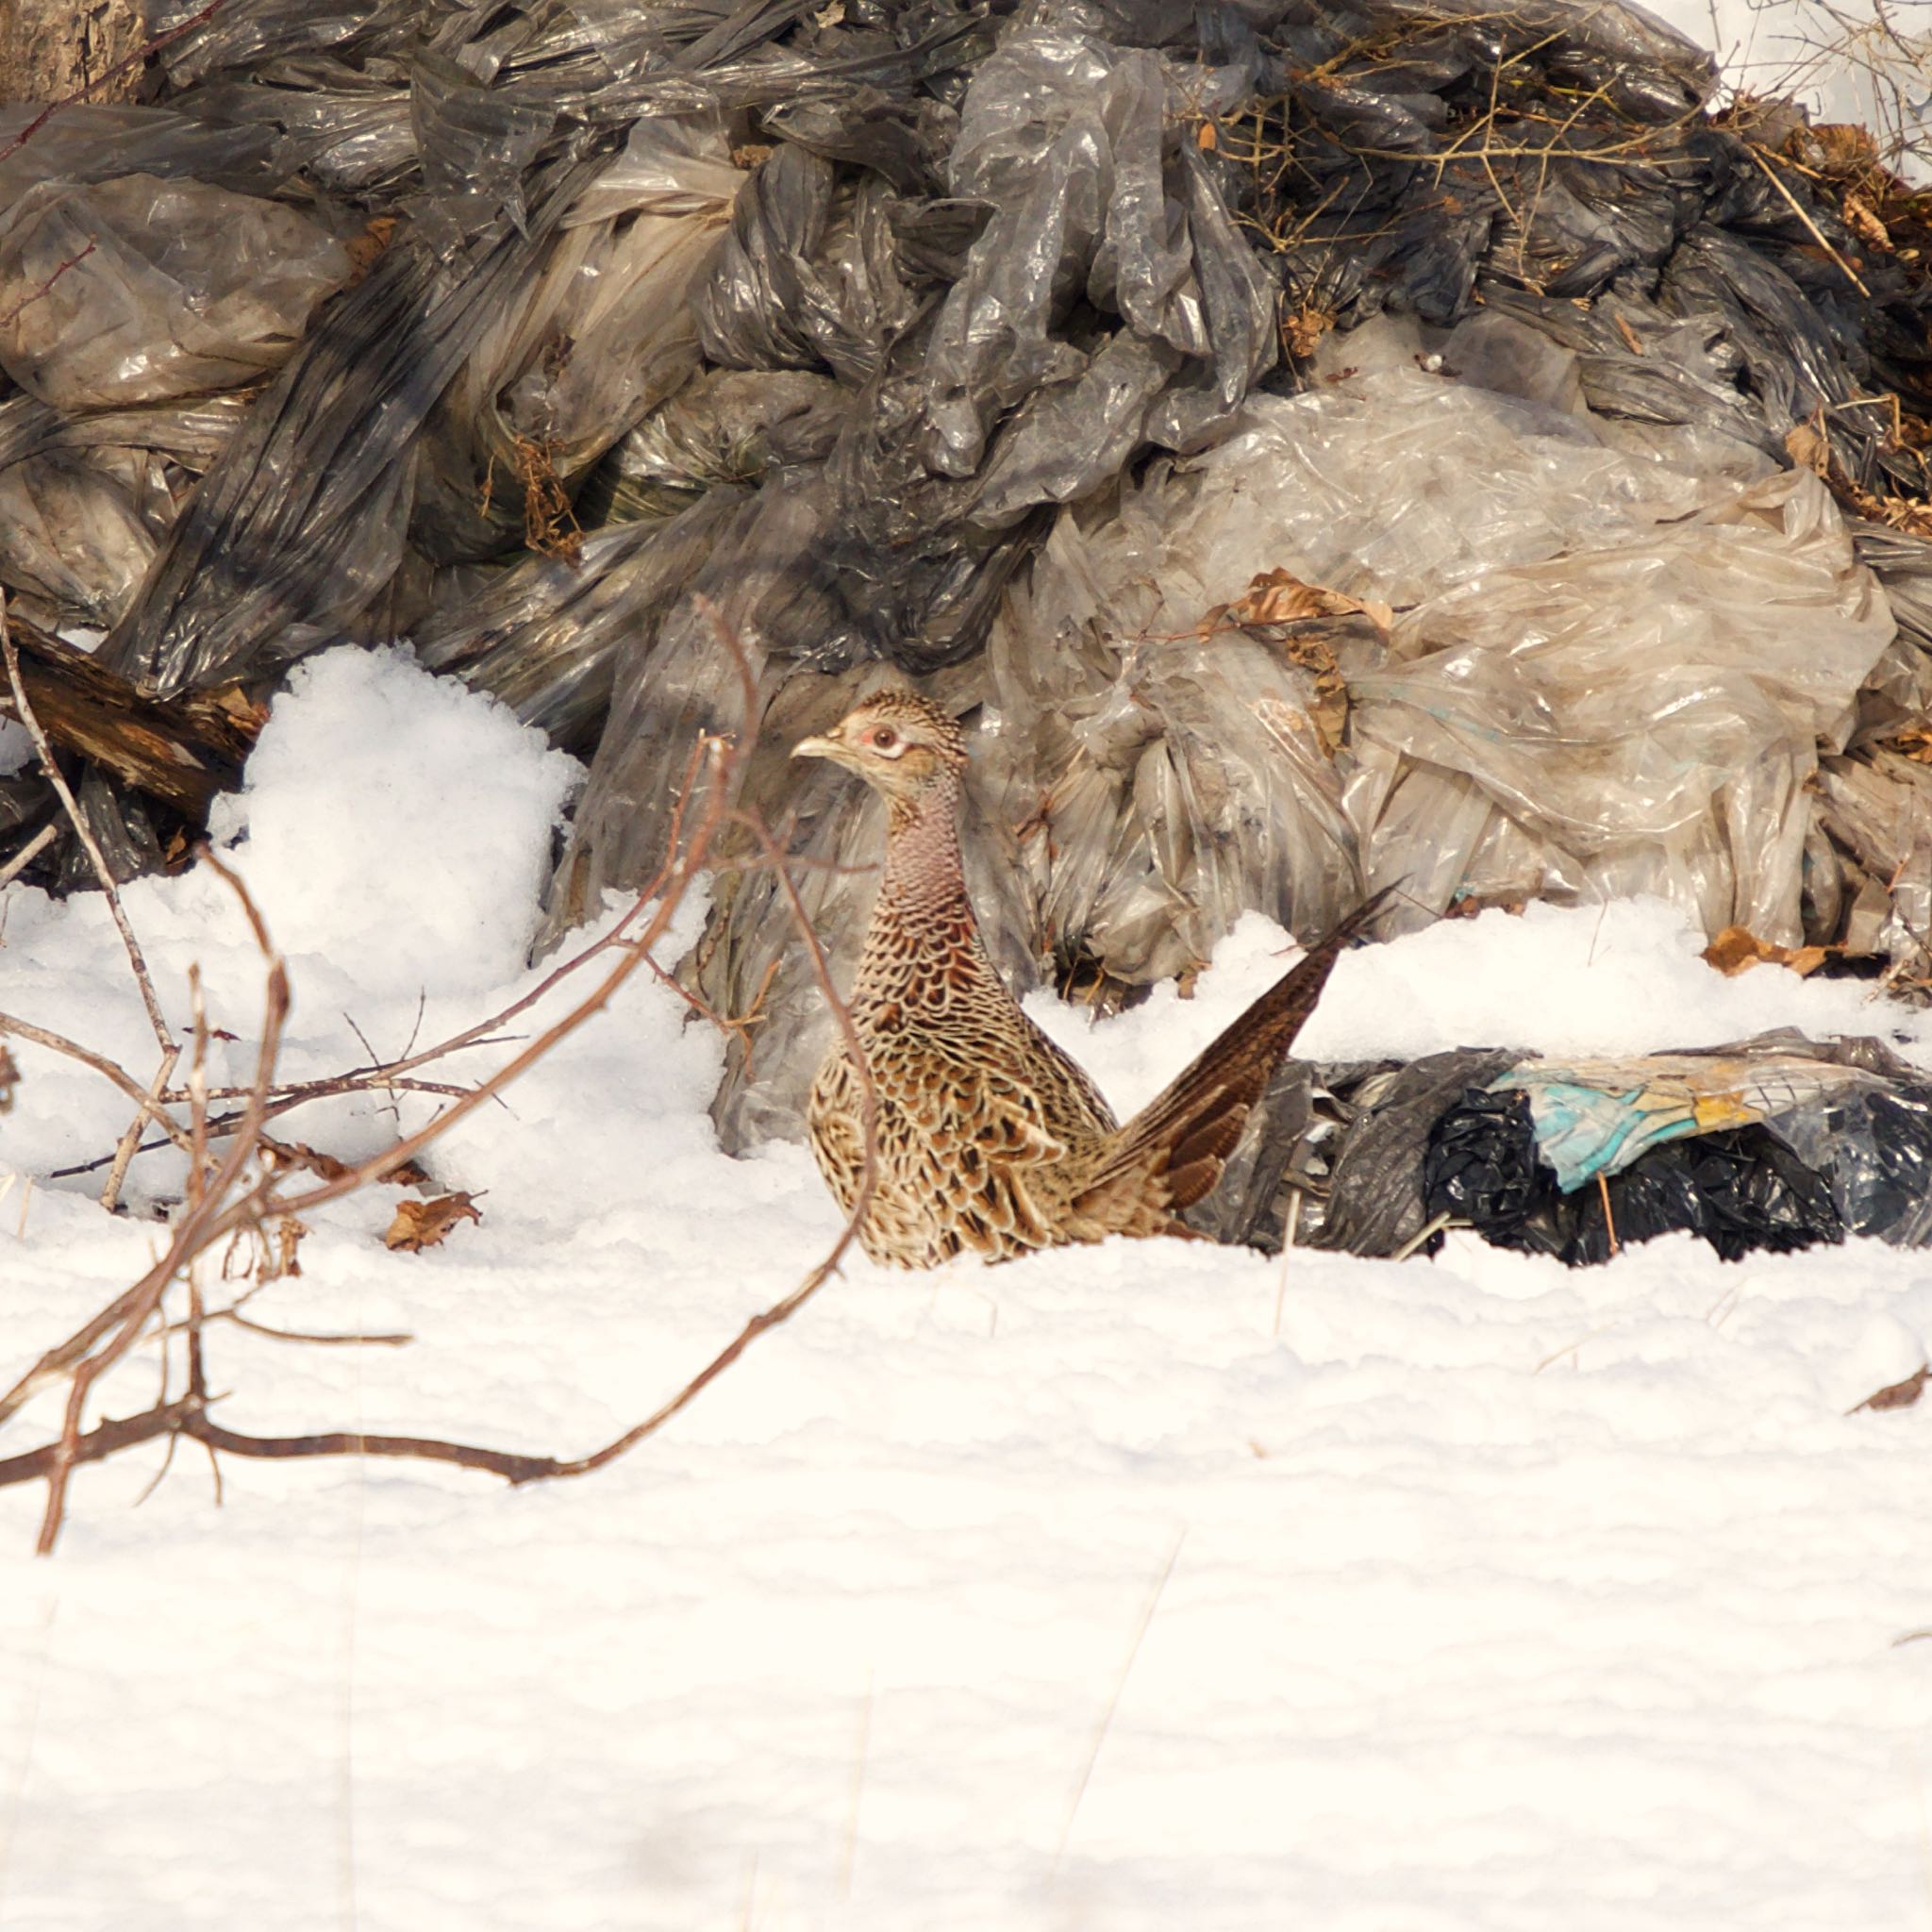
1776	1142
1315	445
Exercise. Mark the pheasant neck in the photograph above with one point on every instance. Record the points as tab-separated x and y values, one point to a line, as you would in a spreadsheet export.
924	880
923	920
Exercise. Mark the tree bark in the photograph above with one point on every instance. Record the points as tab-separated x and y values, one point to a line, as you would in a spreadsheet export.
52	50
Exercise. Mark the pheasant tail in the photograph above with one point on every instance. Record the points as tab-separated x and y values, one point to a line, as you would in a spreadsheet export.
1173	1150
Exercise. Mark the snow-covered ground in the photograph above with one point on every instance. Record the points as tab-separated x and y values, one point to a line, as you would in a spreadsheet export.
1152	1585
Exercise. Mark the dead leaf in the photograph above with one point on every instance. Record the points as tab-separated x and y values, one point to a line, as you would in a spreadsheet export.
1302	331
1865	225
1632	341
294	1155
279	1261
363	249
1206	139
424	1224
1898	1394
1809	448
1736	949
1278	596
9	1080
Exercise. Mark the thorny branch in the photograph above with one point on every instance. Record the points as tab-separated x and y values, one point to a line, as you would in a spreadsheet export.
225	1199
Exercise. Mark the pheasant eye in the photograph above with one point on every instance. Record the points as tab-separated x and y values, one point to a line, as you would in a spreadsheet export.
884	738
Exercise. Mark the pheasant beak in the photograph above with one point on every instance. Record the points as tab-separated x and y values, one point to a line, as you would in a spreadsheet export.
817	748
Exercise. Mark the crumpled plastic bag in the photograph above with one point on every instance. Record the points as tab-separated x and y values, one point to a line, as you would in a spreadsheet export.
1166	770
543	634
1079	148
725	425
139	288
301	523
1645	716
71	538
1877	806
602	334
1774	1144
86	140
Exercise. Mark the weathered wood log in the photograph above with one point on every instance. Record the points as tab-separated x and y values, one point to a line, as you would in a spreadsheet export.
182	751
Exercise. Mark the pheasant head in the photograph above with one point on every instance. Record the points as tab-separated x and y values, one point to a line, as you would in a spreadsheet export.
902	746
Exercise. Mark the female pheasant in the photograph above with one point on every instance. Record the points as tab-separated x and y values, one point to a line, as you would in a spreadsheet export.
989	1141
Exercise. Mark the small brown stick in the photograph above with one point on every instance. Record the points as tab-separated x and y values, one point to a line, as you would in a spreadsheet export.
363	1340
24	712
1610	1219
197	1228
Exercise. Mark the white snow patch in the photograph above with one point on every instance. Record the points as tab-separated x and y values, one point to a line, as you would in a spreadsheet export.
395	821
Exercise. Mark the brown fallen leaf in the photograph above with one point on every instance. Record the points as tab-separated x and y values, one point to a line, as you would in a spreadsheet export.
9	1080
1278	596
424	1224
1206	139
1897	1394
363	249
1302	332
291	1156
1736	949
1865	225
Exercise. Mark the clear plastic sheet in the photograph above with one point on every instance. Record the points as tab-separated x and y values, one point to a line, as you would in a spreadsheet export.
81	143
597	336
1168	777
299	524
139	288
800	285
1877	806
726	425
1610	673
543	634
1650	710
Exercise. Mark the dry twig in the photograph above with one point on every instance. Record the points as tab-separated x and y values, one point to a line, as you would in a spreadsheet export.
222	1201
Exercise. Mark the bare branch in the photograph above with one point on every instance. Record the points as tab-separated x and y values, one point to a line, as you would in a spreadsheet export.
24	712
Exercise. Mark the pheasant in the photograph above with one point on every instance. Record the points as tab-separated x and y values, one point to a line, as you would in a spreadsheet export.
989	1141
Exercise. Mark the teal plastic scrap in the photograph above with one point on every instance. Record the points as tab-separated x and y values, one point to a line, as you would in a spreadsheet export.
1596	1117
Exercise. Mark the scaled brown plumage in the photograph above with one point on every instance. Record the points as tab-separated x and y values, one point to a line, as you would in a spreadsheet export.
989	1139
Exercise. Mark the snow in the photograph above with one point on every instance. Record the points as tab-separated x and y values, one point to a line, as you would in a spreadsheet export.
1140	1586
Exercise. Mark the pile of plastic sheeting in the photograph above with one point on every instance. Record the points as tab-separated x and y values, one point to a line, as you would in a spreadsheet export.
1314	444
1776	1142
